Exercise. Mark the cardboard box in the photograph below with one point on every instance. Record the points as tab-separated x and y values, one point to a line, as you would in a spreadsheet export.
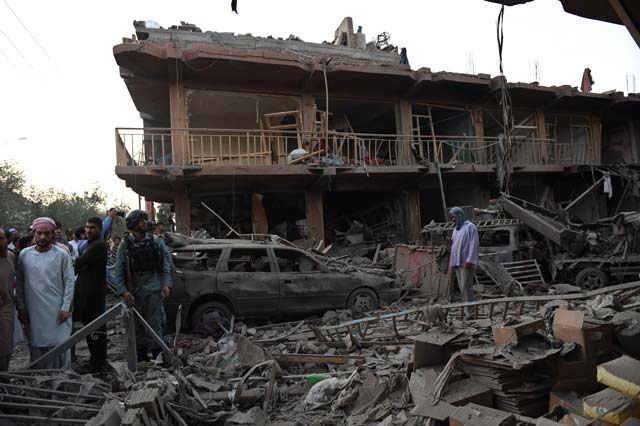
574	375
622	374
593	337
429	348
477	415
611	405
504	334
576	420
570	401
466	391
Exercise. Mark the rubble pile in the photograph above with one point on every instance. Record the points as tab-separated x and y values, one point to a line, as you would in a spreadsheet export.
518	359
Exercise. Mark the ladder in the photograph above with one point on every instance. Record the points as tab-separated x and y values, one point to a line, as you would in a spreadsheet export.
423	133
447	226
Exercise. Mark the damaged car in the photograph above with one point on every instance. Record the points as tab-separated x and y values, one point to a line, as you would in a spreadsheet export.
259	280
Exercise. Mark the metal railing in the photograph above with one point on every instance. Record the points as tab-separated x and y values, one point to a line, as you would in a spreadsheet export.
220	147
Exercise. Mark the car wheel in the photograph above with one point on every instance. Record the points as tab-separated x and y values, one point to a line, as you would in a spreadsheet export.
213	307
591	279
362	300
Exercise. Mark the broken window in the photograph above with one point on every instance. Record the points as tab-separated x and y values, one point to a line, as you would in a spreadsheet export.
242	128
527	148
570	138
198	260
248	260
443	134
292	261
361	133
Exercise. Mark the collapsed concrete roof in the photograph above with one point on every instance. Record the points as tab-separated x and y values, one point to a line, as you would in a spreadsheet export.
245	63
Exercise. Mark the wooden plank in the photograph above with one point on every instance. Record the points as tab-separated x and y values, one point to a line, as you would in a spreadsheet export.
317	358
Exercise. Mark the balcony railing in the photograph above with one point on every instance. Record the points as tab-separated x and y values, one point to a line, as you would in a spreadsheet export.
218	147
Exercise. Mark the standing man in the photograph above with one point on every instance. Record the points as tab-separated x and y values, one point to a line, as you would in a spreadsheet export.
464	253
142	276
44	290
78	236
118	226
91	291
7	276
13	237
160	229
111	260
107	222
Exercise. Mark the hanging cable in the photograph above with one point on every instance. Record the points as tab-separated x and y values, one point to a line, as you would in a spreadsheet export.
505	149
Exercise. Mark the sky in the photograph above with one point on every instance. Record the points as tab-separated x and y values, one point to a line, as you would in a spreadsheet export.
64	93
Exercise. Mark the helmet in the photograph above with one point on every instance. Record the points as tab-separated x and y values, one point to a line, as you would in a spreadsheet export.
134	216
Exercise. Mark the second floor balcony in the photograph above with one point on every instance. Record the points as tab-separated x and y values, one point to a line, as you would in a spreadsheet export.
163	147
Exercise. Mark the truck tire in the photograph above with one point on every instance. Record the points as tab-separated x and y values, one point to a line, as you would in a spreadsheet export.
208	308
591	279
362	300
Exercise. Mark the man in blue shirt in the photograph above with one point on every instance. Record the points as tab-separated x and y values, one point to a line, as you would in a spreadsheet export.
464	253
106	223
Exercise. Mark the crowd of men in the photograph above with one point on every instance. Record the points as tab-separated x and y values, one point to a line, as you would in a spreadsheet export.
50	281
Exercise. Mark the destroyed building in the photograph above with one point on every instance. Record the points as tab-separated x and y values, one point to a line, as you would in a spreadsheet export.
387	145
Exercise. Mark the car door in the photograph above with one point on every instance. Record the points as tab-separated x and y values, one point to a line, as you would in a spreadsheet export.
248	277
306	286
193	274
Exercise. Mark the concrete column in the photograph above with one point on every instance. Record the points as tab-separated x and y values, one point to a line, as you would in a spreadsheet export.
413	224
542	135
404	128
308	115
182	208
478	132
596	139
315	215
308	109
178	113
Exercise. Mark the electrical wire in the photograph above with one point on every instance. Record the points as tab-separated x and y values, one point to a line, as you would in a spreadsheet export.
20	52
203	68
11	61
507	112
27	30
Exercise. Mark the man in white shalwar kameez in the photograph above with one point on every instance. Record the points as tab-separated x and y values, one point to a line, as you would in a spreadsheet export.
44	291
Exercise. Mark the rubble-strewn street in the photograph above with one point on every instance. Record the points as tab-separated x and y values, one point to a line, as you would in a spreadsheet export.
404	364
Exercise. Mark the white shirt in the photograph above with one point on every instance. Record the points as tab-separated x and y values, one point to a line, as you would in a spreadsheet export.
74	248
44	287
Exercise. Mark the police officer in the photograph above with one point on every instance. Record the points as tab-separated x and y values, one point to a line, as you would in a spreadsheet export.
142	276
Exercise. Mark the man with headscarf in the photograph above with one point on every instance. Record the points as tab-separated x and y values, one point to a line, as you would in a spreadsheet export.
7	276
44	291
464	253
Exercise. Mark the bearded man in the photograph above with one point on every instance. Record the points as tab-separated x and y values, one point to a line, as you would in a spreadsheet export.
44	291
